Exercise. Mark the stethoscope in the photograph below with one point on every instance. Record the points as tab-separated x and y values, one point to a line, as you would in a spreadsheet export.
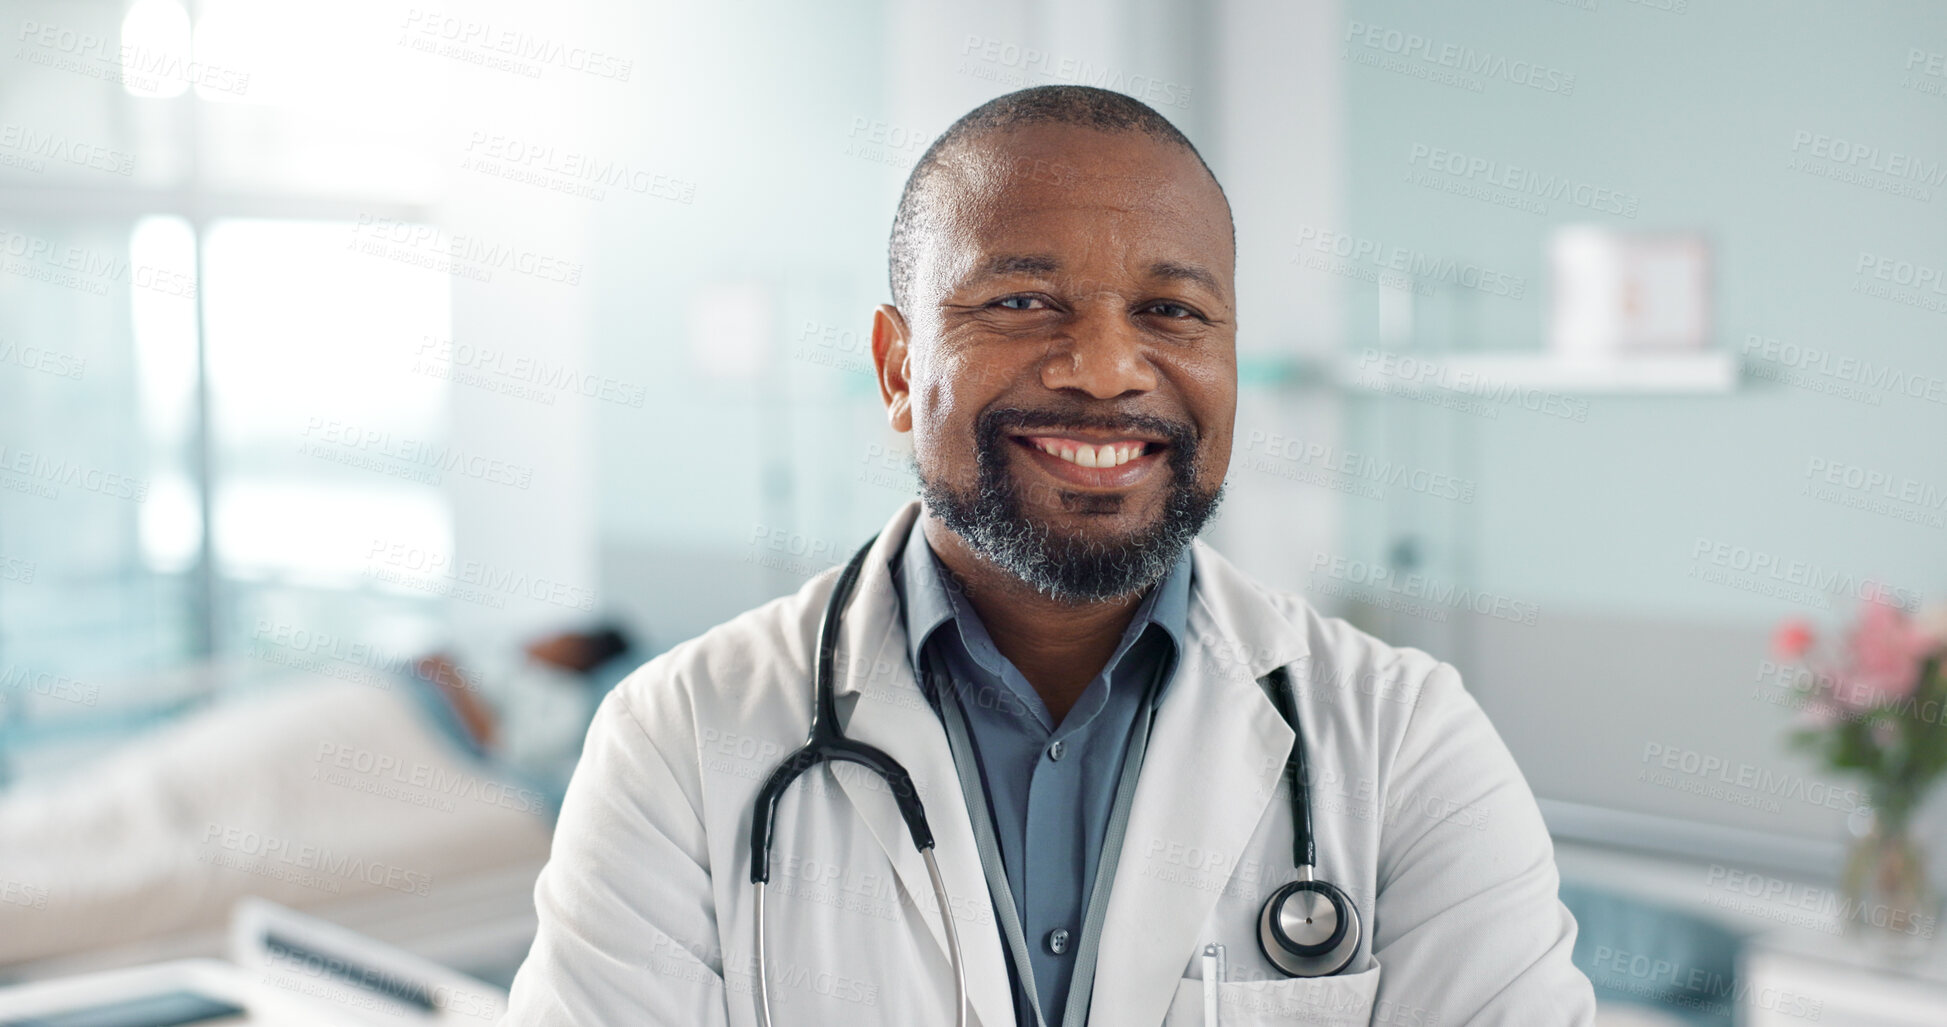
1308	927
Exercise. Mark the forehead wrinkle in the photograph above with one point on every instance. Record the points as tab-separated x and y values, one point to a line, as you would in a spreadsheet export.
982	176
1171	270
980	193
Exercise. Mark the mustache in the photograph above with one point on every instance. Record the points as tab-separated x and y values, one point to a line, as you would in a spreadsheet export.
993	424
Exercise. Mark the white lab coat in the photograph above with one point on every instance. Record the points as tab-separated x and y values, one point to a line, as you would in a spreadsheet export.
1421	816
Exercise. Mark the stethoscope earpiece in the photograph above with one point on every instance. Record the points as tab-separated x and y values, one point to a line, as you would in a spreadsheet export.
1309	928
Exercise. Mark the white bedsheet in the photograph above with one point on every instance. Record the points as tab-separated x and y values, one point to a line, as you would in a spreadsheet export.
318	791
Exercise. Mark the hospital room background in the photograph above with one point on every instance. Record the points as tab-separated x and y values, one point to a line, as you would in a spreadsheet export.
379	383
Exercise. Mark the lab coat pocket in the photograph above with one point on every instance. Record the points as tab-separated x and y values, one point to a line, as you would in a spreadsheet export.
1334	1001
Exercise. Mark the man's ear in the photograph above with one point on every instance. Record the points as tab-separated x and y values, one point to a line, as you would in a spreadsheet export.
892	360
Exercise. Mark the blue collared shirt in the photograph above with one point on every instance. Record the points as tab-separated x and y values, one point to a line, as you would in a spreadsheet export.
1050	787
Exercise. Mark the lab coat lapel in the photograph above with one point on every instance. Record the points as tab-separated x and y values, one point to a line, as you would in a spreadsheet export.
1216	750
880	703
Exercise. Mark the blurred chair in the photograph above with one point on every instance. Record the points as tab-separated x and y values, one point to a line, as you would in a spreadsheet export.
1664	966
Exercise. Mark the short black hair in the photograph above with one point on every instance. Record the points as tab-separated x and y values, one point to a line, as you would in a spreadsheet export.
605	643
1088	106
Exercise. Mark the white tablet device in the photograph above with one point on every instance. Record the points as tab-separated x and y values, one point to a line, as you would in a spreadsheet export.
371	982
181	993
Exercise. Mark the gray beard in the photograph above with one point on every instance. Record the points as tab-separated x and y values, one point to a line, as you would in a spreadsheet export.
994	522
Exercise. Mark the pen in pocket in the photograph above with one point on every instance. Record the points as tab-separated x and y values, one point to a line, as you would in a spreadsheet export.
1213	975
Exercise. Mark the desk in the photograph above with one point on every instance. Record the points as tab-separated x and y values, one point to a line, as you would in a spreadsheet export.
1850	986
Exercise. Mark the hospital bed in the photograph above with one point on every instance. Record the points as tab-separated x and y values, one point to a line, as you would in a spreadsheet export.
139	853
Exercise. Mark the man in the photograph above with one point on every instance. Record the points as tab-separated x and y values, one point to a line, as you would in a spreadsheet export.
1061	346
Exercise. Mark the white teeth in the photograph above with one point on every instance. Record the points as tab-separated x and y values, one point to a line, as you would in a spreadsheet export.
1085	455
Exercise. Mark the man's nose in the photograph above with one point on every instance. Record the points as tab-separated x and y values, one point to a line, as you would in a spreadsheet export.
1101	354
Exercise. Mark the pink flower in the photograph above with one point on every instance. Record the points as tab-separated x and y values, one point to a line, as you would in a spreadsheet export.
1885	649
1793	639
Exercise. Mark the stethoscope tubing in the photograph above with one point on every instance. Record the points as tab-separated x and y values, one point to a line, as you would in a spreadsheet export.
827	742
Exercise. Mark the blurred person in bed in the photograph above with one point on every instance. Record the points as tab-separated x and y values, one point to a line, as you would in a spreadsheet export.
530	709
307	790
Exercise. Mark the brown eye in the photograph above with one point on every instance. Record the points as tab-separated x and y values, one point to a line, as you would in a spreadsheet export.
1017	302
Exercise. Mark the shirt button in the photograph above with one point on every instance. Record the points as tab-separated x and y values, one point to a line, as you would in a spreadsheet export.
1056	750
1058	938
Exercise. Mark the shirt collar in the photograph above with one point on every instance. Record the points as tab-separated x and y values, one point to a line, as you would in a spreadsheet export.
923	585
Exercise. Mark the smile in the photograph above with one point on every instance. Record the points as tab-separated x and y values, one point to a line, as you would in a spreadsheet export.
1090	462
1106	454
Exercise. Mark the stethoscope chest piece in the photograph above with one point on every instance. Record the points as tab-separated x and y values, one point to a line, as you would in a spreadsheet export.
1309	929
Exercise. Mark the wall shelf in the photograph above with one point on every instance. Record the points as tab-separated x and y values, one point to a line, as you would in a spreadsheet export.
1649	374
1411	373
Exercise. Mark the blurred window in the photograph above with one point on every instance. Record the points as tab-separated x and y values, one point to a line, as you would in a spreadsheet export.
205	429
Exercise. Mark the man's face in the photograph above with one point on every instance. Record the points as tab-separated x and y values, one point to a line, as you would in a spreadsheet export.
1069	361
